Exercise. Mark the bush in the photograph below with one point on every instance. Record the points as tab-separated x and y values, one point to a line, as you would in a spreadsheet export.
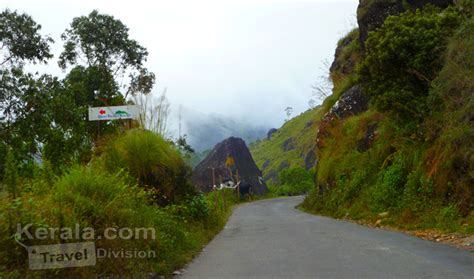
450	130
153	162
389	188
104	195
92	197
403	57
192	209
295	181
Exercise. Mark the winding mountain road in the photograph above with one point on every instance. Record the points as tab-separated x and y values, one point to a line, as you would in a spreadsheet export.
272	239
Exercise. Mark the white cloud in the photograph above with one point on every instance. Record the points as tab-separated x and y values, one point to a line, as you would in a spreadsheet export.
254	57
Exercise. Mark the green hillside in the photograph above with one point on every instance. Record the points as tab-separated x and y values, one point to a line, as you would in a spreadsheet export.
288	147
394	142
406	161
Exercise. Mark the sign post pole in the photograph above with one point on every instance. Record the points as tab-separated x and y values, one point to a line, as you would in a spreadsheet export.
215	189
223	194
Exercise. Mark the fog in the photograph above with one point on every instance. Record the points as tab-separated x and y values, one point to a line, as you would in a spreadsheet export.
247	60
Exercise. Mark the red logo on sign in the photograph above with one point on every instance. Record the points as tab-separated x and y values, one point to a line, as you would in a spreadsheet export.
102	112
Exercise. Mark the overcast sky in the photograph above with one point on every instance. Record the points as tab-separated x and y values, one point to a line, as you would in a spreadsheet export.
246	58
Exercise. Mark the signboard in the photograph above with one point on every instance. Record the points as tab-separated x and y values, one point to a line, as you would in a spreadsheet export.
113	113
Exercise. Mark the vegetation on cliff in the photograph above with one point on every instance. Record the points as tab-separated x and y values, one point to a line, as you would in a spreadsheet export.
408	160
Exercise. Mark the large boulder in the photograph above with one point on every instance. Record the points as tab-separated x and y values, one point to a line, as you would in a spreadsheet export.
228	158
351	102
372	13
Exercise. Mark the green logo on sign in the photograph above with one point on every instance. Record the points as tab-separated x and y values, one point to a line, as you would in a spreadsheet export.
121	113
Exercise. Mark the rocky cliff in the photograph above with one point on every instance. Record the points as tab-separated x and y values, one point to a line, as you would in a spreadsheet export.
228	158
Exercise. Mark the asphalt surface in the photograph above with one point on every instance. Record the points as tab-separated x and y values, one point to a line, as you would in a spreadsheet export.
272	239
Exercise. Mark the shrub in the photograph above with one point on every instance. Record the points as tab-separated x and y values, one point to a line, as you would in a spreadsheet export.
92	197
191	209
403	57
153	162
295	181
389	188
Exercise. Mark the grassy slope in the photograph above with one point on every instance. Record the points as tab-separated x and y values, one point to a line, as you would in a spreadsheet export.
97	197
403	180
413	181
302	129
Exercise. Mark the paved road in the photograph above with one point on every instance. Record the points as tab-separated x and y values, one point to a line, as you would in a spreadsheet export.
272	239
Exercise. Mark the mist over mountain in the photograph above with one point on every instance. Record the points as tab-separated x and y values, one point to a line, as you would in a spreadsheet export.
204	130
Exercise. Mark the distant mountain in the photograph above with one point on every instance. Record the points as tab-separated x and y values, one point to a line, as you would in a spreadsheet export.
204	131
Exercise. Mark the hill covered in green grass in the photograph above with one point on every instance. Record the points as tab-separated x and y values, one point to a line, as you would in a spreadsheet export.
290	146
394	143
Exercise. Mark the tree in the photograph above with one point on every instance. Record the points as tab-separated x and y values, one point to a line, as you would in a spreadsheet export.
288	111
322	87
101	41
101	53
10	179
21	43
21	40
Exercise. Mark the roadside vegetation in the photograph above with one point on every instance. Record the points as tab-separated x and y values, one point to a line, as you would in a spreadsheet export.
58	170
407	161
99	196
293	181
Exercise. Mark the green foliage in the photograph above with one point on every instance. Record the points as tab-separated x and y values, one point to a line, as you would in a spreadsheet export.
403	57
10	179
450	129
153	162
198	208
40	114
21	40
419	173
295	181
96	198
347	56
192	209
3	156
302	129
21	44
103	42
390	185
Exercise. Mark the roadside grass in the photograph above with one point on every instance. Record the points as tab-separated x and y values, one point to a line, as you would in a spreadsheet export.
101	196
413	175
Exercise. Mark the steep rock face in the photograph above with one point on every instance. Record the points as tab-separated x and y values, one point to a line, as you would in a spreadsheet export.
310	159
288	144
372	13
227	158
352	102
341	64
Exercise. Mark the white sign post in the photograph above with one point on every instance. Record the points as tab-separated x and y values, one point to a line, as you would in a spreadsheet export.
113	113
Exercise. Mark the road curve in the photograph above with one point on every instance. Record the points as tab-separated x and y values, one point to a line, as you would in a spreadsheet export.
272	239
